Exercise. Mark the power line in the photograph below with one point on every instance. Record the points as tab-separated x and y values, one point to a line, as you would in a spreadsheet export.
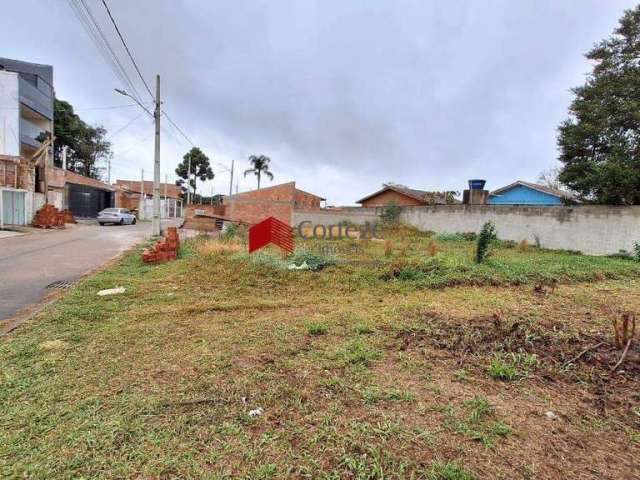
178	128
91	26
115	25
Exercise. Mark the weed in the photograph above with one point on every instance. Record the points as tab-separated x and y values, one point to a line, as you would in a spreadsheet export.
314	261
390	214
363	329
432	248
448	471
516	365
388	248
636	251
624	329
317	329
523	245
358	352
487	235
502	370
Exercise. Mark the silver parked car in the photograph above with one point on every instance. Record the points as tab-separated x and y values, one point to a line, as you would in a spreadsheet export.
119	216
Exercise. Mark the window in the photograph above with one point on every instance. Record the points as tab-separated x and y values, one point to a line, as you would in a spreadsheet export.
8	174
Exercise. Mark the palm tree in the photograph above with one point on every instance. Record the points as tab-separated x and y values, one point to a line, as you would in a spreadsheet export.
260	167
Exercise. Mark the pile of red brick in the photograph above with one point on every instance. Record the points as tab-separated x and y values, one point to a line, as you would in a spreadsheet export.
67	216
48	217
163	250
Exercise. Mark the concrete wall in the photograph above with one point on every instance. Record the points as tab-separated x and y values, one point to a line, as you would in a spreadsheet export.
355	215
592	229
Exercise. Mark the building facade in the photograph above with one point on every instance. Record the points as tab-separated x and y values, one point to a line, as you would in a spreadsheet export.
526	193
26	124
137	196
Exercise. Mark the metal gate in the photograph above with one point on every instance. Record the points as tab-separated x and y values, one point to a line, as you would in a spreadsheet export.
13	207
85	201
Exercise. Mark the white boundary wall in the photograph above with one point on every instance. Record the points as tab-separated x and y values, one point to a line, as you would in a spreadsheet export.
591	229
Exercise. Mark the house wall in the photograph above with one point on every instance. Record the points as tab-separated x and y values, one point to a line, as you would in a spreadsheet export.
591	229
254	206
9	114
390	196
305	200
522	195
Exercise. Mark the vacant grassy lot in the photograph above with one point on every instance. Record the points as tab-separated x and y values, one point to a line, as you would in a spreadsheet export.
401	360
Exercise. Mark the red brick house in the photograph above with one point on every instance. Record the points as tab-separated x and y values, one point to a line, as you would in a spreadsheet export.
405	196
252	207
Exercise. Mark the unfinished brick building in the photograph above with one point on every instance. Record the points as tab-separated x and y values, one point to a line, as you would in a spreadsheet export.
252	207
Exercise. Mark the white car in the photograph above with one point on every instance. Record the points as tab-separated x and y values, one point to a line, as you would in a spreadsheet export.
117	216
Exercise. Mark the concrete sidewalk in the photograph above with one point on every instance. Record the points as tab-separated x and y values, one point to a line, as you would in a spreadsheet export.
31	262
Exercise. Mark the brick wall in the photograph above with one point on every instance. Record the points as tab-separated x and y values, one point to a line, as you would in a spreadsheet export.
390	196
254	206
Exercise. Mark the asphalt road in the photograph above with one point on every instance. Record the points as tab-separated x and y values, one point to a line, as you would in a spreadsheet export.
31	262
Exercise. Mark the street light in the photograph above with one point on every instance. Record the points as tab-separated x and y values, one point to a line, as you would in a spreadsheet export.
156	227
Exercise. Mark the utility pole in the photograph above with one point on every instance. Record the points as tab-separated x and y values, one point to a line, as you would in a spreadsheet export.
231	180
156	227
141	207
189	181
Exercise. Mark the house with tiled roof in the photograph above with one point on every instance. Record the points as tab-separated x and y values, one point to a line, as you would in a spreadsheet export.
527	193
392	194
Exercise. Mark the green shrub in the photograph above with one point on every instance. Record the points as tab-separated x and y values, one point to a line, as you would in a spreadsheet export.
229	232
390	214
316	329
502	370
636	251
315	261
487	235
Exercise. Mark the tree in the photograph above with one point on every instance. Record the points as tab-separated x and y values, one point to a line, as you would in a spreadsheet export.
549	178
200	169
600	141
86	144
260	167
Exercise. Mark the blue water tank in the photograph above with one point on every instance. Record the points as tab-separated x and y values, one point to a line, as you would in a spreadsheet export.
477	184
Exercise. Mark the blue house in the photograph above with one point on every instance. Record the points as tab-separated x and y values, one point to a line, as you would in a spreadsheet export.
526	193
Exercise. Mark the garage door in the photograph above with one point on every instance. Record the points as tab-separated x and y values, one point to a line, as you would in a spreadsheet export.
13	207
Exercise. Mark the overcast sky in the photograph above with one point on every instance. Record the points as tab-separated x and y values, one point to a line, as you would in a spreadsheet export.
342	95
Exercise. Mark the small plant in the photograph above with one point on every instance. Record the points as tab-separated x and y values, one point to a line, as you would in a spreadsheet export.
636	251
502	370
316	329
470	236
363	329
448	471
231	231
487	235
624	329
315	261
523	245
432	248
518	366
388	248
390	214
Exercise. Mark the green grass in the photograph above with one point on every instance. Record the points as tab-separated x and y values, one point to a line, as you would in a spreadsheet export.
344	361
